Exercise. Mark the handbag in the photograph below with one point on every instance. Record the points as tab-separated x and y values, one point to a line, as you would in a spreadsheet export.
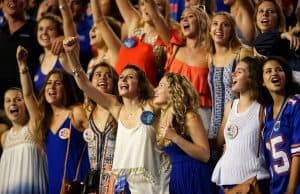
250	186
71	187
91	181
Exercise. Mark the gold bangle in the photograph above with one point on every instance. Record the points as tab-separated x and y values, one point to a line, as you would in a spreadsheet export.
76	71
24	70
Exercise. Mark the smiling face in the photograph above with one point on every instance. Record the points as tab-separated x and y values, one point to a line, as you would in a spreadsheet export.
47	32
160	4
95	37
221	30
14	106
161	93
54	89
274	78
128	83
189	23
267	16
14	8
102	79
240	78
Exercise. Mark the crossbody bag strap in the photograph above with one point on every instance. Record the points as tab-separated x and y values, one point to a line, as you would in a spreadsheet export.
67	153
79	162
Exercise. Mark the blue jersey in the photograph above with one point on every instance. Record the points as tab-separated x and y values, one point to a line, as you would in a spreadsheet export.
282	142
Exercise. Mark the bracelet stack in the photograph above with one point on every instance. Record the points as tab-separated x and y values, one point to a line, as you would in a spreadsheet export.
76	71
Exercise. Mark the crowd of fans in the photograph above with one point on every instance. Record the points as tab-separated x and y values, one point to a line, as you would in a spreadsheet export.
149	96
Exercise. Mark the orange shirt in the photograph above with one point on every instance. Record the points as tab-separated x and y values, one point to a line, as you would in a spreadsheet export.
197	75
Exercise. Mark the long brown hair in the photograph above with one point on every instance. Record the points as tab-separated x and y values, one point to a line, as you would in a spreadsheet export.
234	41
69	98
280	16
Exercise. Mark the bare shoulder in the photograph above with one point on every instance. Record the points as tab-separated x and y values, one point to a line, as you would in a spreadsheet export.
192	116
246	52
3	136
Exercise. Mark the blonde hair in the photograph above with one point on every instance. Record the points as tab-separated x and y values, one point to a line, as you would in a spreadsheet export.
183	98
203	24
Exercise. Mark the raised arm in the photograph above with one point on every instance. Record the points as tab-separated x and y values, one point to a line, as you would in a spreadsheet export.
158	20
111	40
199	147
129	14
68	23
26	83
107	101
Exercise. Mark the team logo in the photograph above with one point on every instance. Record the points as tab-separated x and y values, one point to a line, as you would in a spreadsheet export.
232	131
64	133
147	117
88	135
129	42
276	126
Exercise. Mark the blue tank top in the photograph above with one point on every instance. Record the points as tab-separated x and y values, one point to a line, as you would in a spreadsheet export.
56	148
40	77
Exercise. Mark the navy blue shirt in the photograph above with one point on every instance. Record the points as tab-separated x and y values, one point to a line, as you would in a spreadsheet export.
25	36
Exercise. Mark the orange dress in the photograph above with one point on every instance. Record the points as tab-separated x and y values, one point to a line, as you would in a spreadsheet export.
197	75
141	55
148	55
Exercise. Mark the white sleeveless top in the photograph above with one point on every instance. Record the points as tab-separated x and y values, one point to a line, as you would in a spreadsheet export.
23	165
138	157
239	162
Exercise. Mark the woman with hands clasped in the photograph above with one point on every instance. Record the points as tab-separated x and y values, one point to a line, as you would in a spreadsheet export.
182	136
137	157
23	165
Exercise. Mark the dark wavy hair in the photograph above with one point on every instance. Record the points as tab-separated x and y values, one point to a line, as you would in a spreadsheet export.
291	86
90	104
145	87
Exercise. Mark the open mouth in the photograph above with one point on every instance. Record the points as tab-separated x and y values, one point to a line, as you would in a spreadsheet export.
14	110
11	5
234	82
52	93
186	26
264	21
102	85
275	80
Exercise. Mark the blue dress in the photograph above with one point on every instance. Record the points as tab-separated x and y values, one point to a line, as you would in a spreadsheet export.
219	80
40	77
56	148
188	175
